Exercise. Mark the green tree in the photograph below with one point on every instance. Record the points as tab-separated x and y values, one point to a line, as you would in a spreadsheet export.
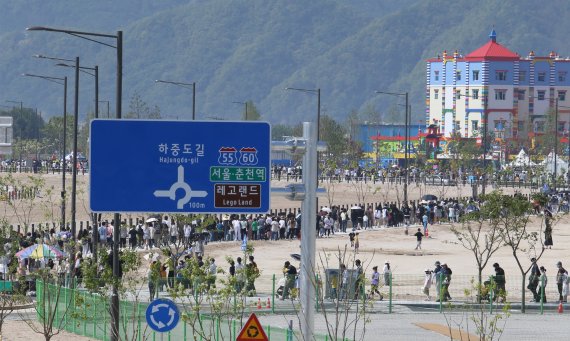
480	233
252	113
139	109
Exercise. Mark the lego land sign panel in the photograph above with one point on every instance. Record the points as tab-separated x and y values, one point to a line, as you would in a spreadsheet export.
180	166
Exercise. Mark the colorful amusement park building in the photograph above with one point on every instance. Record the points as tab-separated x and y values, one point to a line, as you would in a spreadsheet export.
492	84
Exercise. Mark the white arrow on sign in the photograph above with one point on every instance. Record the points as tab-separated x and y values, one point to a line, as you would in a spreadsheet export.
157	307
158	324
172	315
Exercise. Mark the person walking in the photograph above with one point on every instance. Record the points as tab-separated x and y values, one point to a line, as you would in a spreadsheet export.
374	283
387	273
359	283
290	276
428	279
543	281
500	282
446	270
561	275
533	280
438	274
419	235
343	282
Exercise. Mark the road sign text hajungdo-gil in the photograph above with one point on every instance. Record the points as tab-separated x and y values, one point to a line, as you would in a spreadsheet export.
180	166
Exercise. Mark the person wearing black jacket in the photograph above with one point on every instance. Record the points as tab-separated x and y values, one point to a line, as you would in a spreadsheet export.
533	280
500	282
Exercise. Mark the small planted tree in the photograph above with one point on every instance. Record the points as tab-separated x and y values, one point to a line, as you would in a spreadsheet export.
480	232
514	217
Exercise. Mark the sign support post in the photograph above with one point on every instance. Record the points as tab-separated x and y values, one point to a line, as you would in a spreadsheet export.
308	235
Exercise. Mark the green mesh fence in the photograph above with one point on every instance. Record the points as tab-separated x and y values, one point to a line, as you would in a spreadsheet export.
86	314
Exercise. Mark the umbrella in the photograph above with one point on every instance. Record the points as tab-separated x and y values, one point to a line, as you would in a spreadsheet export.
296	256
151	220
326	209
38	251
429	197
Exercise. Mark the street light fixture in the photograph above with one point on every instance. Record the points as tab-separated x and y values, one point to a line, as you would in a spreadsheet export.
407	123
119	93
245	104
95	74
58	80
184	85
75	137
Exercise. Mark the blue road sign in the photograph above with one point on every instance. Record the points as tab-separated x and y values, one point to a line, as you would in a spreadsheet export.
162	315
180	166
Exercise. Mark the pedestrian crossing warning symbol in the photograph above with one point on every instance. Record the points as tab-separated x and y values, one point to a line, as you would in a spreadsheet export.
252	330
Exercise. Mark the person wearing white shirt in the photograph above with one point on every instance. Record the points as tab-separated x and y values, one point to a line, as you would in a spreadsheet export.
187	234
237	229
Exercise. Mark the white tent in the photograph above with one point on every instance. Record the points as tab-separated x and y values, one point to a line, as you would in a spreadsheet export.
551	162
522	160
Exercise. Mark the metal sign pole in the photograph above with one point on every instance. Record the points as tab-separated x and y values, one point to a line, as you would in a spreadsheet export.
308	230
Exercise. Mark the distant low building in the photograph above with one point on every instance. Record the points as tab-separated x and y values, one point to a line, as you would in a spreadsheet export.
384	143
6	135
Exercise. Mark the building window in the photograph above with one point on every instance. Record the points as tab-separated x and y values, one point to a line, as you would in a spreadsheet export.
435	94
500	95
561	126
458	75
539	126
521	94
501	75
562	76
436	75
458	94
475	75
474	126
522	76
540	95
520	125
541	76
475	93
561	95
457	127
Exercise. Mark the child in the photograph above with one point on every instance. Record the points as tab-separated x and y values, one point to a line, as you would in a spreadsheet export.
374	283
334	285
356	243
427	283
351	237
425	222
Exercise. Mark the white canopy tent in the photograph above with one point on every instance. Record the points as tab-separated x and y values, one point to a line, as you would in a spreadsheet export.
549	163
522	160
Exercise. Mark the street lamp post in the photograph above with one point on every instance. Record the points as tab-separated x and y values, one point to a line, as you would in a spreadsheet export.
95	74
184	85
57	80
119	94
406	138
245	104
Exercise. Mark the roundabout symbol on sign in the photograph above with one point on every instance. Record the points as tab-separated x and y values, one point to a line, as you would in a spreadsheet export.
162	315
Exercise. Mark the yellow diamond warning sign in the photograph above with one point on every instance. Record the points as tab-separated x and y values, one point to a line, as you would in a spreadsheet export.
252	330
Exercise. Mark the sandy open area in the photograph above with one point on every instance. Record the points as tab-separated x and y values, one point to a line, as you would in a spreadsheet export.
376	246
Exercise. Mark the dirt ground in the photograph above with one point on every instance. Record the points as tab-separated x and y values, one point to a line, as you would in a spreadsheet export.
376	246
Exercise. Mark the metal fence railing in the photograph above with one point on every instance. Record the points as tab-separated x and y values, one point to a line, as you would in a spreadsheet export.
86	314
